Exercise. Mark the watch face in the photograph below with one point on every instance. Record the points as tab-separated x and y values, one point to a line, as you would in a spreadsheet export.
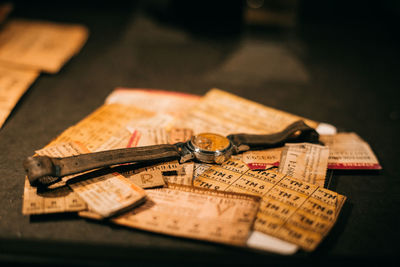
210	142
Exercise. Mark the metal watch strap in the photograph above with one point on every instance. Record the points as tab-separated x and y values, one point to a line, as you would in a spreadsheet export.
43	166
295	132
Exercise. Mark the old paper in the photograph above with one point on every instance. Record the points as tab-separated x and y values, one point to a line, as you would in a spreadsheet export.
224	113
304	161
147	179
262	159
104	123
40	45
304	220
157	101
150	135
13	84
109	194
120	139
172	171
63	199
158	121
199	168
340	138
176	135
145	136
348	151
63	150
60	200
195	213
291	209
183	175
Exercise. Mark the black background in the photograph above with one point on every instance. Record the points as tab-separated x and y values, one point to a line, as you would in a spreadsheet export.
345	72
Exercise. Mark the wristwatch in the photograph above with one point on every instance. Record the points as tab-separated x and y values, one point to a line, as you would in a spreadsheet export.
204	147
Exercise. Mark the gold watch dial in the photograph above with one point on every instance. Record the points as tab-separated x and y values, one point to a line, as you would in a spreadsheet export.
210	142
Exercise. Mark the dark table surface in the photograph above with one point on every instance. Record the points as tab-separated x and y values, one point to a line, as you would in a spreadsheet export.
345	74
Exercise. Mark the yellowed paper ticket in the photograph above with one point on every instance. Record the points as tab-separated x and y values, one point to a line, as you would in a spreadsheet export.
63	150
341	138
109	194
304	161
120	139
55	201
147	179
195	213
172	172
104	123
151	136
63	199
199	168
183	176
157	121
348	151
291	209
262	159
224	113
40	45
13	84
176	135
163	167
155	136
157	101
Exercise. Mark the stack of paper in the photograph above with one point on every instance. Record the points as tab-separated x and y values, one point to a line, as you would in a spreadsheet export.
28	48
271	199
